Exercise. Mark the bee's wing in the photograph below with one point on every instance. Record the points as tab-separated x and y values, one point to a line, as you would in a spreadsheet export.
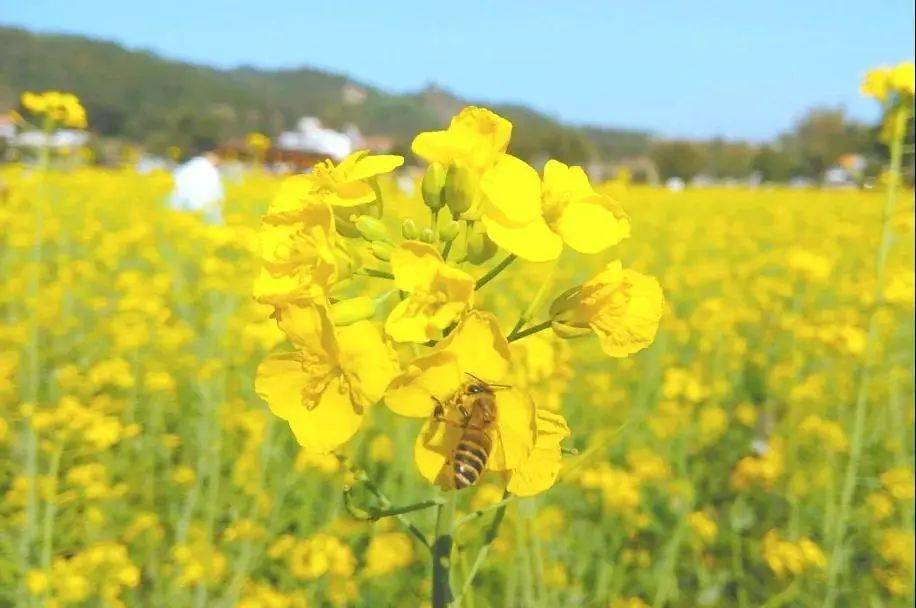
497	459
515	431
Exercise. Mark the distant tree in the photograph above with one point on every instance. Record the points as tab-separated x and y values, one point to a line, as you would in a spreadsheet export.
729	159
683	159
773	164
823	135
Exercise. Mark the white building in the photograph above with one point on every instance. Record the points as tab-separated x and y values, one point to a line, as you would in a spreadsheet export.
311	137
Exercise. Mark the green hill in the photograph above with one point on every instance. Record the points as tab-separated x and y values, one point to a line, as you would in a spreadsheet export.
139	96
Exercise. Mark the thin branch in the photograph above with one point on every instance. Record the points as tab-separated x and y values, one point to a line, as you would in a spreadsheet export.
494	271
518	335
375	514
361	476
475	515
489	537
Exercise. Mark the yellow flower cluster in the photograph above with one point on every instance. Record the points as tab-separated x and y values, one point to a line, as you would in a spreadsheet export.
322	241
785	557
100	572
884	82
61	109
388	552
196	561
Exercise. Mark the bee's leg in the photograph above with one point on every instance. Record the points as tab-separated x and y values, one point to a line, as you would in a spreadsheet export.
439	411
464	411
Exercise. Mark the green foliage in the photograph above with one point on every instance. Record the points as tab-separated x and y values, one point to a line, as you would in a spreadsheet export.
683	159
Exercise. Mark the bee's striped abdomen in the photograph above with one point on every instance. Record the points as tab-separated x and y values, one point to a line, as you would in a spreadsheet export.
470	457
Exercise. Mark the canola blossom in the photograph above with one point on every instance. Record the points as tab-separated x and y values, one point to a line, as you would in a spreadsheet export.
308	266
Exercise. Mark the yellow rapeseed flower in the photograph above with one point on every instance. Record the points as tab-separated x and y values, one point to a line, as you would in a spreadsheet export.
899	482
533	218
388	552
62	109
475	139
323	388
301	260
437	293
477	349
622	307
345	184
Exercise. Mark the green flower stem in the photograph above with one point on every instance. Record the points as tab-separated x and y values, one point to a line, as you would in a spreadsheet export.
375	514
50	512
491	534
434	223
495	271
361	476
447	249
475	515
442	553
518	335
838	551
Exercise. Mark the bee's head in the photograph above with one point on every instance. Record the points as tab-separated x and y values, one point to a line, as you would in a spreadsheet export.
476	386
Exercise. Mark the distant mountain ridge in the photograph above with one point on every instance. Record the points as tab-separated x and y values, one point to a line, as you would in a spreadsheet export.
140	96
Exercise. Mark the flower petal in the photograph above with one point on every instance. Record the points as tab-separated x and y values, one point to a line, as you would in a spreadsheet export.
515	430
512	192
368	363
291	197
534	242
372	165
540	470
329	424
563	182
310	328
403	326
433	147
435	375
589	227
414	265
434	446
479	347
281	382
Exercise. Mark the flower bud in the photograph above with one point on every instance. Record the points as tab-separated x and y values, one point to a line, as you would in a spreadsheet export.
409	230
371	228
480	248
352	310
459	190
565	318
448	232
432	185
381	250
427	235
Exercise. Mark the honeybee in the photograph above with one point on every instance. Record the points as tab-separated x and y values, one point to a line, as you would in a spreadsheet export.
476	402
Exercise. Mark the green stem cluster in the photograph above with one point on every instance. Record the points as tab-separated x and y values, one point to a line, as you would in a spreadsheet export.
838	557
441	547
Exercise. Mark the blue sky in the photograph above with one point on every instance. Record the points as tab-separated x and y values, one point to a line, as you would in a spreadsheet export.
736	69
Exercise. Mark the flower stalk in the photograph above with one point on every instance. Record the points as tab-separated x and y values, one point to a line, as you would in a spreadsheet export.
838	551
490	535
442	553
494	272
524	333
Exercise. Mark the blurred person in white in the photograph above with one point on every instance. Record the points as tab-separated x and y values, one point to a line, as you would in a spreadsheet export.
199	187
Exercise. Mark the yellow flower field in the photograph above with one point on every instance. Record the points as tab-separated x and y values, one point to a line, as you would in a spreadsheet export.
139	466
